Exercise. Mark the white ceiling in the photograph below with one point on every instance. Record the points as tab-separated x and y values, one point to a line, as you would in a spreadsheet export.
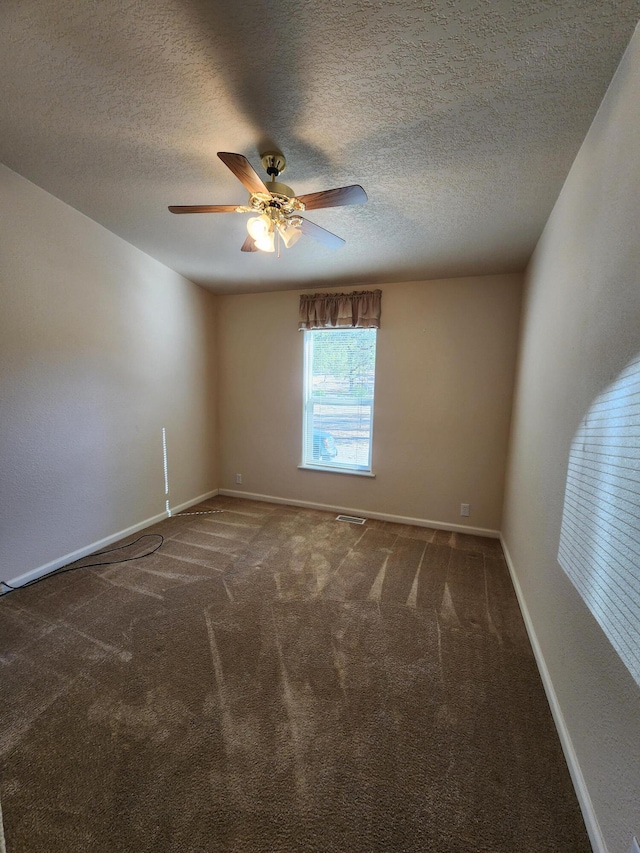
460	118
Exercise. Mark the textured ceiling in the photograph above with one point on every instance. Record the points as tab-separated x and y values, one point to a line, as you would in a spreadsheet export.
460	118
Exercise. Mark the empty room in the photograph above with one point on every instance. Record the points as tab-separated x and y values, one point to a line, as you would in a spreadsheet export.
319	427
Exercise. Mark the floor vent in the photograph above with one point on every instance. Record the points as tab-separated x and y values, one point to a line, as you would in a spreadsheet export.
351	519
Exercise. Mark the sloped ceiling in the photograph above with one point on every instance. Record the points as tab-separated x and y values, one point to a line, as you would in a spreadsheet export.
460	119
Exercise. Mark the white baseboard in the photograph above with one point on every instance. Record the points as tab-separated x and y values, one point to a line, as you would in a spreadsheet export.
363	513
582	792
41	571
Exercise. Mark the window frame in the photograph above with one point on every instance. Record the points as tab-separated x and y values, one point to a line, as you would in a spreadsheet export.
308	401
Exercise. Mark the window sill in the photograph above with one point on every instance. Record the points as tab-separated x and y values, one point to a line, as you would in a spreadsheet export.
327	470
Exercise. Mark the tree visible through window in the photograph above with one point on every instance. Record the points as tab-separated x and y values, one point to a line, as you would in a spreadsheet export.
339	379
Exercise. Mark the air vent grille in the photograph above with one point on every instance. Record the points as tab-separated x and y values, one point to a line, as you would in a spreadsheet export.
352	519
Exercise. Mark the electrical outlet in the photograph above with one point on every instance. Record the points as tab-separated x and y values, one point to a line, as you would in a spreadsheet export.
464	509
239	479
635	847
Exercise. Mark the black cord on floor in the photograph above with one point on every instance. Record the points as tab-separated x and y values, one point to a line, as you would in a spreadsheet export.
72	568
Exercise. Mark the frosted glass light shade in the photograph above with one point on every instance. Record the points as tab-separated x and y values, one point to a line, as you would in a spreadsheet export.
258	227
266	243
289	233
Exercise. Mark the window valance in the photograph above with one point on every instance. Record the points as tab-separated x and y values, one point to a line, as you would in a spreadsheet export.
358	310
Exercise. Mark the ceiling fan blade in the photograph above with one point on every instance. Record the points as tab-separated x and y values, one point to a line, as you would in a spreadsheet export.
244	172
203	208
321	234
353	194
249	245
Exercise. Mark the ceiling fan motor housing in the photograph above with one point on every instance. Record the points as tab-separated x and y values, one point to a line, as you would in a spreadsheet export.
279	189
274	163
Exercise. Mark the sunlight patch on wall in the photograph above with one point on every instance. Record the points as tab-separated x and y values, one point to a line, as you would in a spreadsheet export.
600	536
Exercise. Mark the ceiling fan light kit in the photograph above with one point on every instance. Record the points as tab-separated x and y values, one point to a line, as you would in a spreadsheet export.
277	209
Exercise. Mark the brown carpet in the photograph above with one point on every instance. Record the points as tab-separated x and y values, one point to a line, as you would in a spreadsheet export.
273	680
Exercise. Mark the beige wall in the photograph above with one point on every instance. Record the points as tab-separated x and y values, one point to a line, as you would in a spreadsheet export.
445	367
581	326
100	347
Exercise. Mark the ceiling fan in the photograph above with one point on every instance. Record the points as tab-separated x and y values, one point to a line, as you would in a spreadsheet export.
275	207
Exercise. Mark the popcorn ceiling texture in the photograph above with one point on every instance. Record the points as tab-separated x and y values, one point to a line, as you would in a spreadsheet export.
460	119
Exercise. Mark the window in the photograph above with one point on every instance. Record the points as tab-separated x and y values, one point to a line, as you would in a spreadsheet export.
339	377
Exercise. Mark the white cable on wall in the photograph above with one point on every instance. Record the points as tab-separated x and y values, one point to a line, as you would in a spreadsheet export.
166	471
165	467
